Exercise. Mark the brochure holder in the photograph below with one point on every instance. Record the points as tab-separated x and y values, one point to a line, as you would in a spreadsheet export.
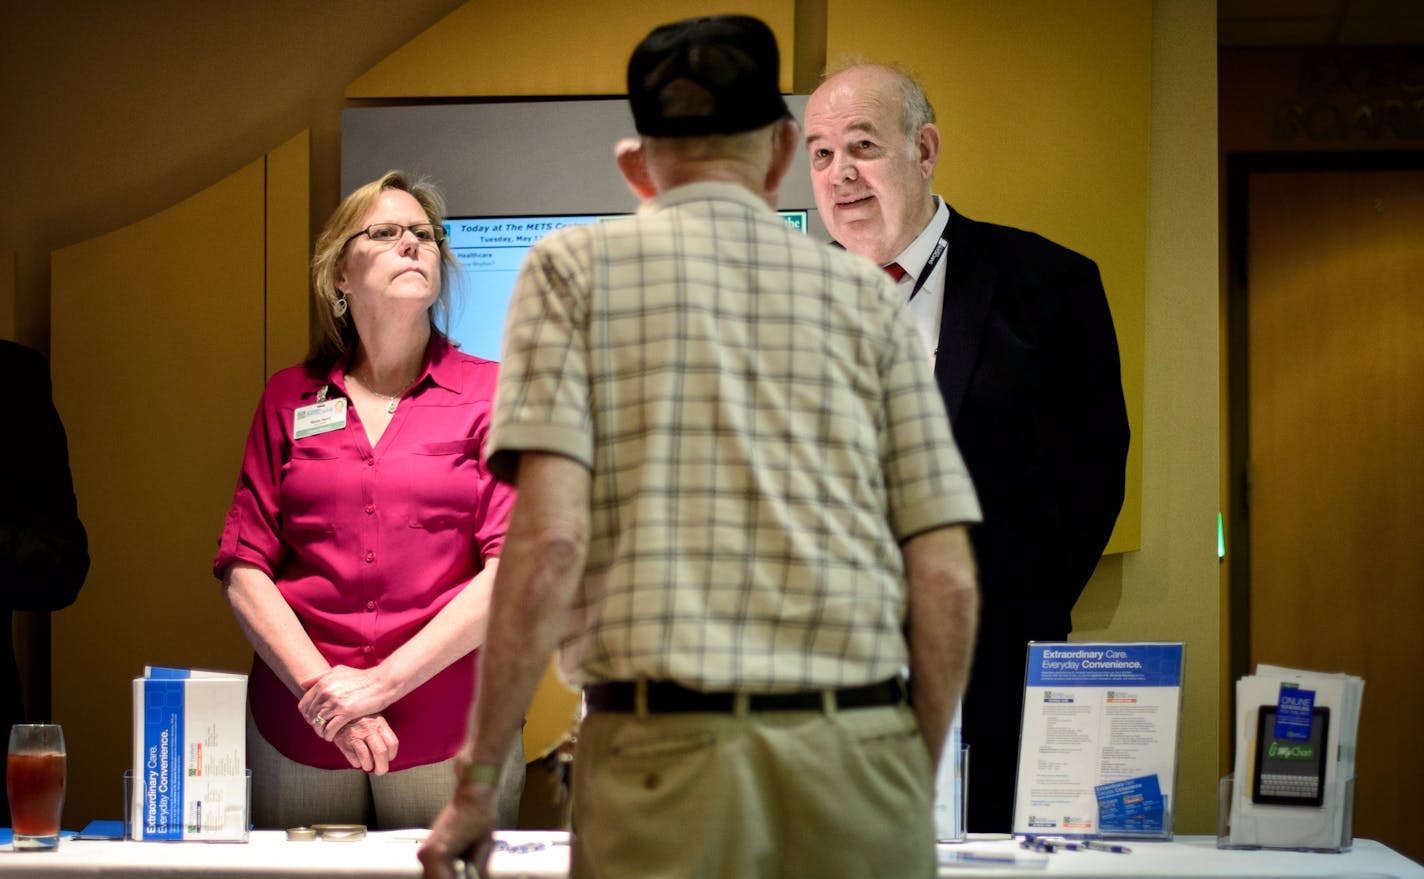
189	781
134	833
952	785
1293	787
1098	749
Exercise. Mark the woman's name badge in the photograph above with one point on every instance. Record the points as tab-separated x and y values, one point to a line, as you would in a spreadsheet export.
322	417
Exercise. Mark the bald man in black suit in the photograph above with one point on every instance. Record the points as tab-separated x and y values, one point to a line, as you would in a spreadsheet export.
1026	358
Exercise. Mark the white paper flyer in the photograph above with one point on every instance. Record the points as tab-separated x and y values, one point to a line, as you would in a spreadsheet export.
189	756
1098	749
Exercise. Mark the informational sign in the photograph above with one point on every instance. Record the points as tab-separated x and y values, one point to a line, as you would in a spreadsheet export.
491	251
1099	742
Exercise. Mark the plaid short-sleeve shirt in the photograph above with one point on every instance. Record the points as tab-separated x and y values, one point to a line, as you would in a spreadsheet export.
762	429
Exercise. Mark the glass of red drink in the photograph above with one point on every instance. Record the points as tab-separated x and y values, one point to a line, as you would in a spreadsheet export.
34	780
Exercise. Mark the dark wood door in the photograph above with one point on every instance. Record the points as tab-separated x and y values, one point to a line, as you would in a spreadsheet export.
1336	458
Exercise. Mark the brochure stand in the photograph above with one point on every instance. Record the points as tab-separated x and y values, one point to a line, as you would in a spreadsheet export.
133	831
189	780
1294	780
1099	741
952	785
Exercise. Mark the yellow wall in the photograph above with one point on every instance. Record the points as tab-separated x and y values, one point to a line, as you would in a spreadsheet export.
117	111
1042	108
288	253
575	48
160	337
1169	589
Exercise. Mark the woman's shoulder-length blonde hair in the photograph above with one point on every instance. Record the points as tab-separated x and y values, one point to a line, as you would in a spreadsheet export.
336	331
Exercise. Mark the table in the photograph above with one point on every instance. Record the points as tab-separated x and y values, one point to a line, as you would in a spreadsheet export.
1190	856
391	855
269	855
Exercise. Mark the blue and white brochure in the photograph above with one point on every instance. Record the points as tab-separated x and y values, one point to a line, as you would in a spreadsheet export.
1099	740
1133	806
189	760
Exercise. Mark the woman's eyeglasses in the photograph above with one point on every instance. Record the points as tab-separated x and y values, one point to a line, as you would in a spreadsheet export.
389	233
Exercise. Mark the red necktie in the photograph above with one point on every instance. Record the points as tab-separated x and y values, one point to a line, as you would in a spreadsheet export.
894	271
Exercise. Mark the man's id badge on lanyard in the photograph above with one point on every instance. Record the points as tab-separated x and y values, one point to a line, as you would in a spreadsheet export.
323	416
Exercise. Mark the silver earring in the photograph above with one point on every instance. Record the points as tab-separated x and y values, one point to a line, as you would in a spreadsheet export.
339	309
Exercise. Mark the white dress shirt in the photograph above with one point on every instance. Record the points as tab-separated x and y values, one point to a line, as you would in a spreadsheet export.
928	304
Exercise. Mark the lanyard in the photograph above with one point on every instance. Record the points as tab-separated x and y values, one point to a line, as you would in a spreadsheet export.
940	246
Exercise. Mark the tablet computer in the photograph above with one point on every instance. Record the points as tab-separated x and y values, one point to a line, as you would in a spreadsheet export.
1290	772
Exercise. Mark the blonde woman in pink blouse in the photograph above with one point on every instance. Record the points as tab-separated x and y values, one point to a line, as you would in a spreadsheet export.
364	534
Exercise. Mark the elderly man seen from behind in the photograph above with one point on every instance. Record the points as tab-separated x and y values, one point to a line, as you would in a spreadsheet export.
740	512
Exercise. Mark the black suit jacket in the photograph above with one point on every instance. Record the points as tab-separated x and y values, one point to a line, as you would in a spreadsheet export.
1028	366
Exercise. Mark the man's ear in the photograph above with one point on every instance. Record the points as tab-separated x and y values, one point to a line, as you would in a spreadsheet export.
927	148
633	163
784	144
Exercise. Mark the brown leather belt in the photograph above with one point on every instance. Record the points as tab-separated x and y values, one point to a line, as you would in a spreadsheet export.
666	697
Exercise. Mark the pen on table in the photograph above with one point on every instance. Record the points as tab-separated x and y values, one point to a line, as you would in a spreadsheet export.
1116	849
952	855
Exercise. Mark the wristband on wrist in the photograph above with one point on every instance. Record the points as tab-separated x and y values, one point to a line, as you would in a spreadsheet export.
480	773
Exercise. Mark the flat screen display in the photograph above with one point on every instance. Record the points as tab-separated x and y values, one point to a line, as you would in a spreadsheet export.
490	251
526	166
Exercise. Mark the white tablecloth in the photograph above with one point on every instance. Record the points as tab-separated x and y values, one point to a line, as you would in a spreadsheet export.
268	853
1190	856
392	856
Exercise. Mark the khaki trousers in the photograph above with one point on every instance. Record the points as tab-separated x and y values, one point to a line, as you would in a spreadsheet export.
792	794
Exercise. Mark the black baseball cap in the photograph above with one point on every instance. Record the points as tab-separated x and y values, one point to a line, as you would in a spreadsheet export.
711	75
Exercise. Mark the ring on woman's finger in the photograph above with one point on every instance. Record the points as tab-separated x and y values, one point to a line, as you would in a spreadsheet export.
320	721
